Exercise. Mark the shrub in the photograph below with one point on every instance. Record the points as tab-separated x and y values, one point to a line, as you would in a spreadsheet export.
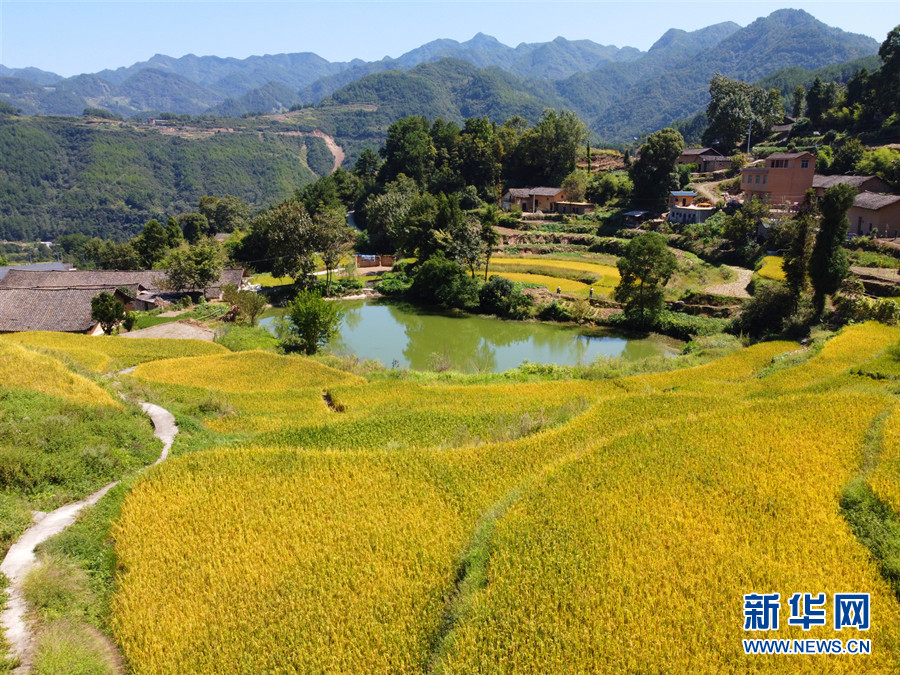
311	322
439	281
501	297
770	305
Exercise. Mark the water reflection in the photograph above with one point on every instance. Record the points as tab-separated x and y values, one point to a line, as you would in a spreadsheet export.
411	338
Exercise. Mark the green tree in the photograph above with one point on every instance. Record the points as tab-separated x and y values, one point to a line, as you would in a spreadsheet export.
409	150
575	185
384	214
828	264
334	238
151	244
799	101
819	99
645	268
286	236
311	322
107	311
547	153
734	107
847	156
490	220
194	268
653	173
367	165
466	246
194	226
480	155
796	258
250	305
174	235
889	74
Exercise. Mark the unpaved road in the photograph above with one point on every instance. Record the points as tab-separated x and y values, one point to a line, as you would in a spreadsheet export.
21	558
736	288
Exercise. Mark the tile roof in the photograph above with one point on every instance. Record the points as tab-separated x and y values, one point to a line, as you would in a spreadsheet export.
57	309
534	192
147	279
820	181
790	155
874	201
58	266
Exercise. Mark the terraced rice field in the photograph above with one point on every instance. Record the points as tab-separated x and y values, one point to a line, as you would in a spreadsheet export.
562	527
772	268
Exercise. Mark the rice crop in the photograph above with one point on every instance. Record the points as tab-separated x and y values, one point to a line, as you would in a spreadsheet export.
772	268
104	354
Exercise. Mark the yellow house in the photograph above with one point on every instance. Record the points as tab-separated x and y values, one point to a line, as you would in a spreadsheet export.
785	178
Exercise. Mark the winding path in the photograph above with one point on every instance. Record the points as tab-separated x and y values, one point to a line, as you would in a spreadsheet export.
737	288
21	558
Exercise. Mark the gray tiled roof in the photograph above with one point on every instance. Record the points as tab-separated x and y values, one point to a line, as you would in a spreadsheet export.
147	279
820	181
57	309
874	201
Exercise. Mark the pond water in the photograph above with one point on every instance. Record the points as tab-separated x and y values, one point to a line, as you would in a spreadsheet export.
403	336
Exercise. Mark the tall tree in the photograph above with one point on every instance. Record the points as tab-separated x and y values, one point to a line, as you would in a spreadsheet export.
290	240
796	258
546	154
195	226
151	244
653	173
799	101
480	155
828	263
409	150
645	267
490	220
194	268
734	107
174	235
334	238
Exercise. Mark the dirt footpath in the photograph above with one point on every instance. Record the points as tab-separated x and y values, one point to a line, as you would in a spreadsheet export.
736	288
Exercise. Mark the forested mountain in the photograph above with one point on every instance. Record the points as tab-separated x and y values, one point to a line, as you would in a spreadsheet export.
785	38
64	175
620	92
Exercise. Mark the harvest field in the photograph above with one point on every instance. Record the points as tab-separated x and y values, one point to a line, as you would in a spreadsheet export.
328	522
772	268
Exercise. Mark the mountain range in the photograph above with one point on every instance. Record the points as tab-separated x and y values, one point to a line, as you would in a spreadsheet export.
619	92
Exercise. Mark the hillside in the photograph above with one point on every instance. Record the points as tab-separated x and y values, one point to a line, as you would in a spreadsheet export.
107	179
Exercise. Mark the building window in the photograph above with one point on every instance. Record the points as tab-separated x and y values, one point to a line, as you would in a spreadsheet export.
764	179
804	164
757	179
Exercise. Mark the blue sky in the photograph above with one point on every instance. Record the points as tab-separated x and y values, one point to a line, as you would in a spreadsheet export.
77	37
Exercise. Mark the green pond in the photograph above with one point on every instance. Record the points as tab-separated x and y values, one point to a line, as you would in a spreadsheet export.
403	336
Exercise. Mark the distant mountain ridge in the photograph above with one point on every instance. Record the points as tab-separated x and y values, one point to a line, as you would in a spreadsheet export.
619	92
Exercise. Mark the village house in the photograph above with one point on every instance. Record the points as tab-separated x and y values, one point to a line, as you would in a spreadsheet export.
874	214
574	208
66	310
706	159
784	179
682	208
861	183
532	200
57	300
